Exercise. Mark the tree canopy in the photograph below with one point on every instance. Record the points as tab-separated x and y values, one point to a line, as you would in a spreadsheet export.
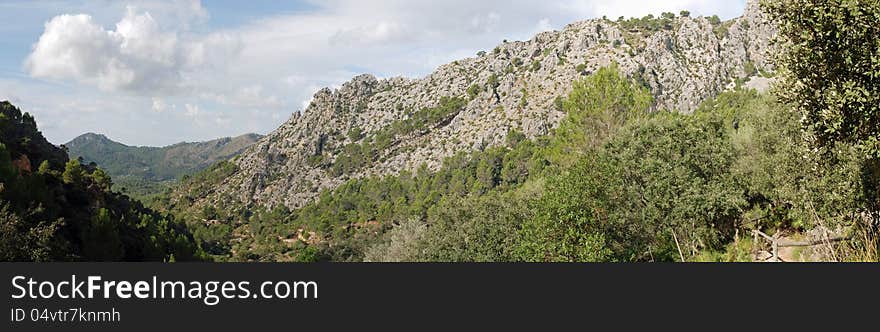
831	68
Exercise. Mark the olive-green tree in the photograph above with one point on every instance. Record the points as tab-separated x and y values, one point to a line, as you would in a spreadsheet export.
831	68
661	188
596	107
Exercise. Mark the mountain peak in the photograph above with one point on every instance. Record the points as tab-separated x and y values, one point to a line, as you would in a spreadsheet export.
92	136
133	166
475	102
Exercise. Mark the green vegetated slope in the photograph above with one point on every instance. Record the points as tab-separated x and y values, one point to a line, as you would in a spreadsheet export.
146	171
56	209
614	182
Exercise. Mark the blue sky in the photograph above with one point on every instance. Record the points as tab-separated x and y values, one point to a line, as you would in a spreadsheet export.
157	72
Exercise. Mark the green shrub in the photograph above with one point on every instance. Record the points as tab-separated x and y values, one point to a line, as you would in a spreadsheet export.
749	68
473	91
831	70
536	65
659	180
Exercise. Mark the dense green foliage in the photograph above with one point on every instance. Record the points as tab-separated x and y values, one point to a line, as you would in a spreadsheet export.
460	229
351	218
64	210
831	68
597	106
787	183
144	172
613	182
212	229
661	180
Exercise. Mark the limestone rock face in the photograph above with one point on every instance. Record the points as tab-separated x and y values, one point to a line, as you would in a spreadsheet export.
682	65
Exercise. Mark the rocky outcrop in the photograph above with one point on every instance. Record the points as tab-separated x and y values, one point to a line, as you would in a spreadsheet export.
512	87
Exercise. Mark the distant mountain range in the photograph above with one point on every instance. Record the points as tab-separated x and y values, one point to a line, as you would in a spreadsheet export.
143	170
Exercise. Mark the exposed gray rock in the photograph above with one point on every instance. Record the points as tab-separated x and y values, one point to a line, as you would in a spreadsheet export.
682	66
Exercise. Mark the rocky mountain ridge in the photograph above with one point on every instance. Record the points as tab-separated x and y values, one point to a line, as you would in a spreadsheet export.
474	103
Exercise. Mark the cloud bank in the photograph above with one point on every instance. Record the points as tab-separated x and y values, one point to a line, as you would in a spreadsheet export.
138	55
163	57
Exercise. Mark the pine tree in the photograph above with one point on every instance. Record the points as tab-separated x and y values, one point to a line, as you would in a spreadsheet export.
73	172
44	168
101	240
102	179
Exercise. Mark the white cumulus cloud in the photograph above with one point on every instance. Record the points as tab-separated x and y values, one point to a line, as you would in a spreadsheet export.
138	55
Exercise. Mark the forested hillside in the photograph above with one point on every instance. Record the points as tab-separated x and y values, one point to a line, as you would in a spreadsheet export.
615	182
145	171
655	139
616	178
56	209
